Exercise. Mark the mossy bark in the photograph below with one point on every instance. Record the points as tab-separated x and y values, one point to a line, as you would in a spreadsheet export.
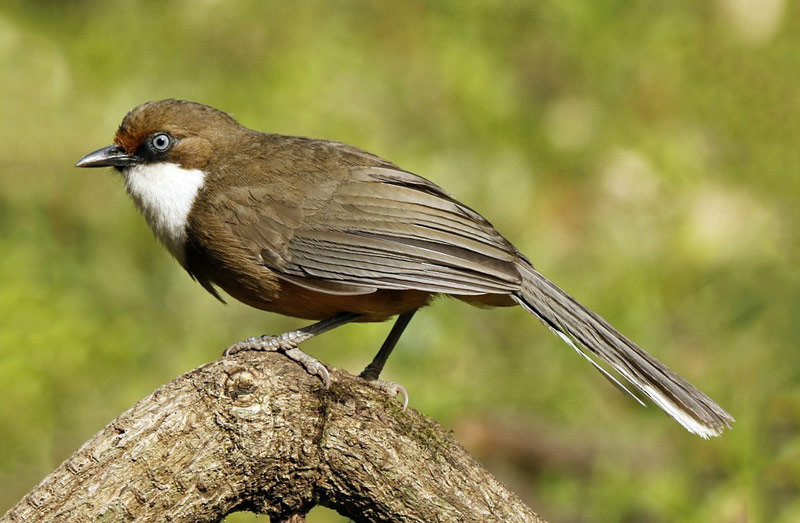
255	432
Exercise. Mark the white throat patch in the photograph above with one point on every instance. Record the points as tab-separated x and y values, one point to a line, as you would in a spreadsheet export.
164	193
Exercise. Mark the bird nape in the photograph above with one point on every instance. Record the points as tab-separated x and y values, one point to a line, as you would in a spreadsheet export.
322	230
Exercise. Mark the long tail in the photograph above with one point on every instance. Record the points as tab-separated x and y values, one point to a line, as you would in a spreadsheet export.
575	323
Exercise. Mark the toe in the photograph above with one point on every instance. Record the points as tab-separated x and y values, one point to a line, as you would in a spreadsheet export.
324	375
392	389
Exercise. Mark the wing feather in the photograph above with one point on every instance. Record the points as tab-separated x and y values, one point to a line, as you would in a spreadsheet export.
379	228
380	268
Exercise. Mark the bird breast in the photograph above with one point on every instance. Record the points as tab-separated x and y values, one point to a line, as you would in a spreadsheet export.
164	193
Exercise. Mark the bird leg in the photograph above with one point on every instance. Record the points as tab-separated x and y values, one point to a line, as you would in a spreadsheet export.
288	342
373	370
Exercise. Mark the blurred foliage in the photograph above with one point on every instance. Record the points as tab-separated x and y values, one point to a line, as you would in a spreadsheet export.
645	155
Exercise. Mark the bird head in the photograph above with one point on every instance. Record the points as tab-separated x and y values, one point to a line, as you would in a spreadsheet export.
166	152
183	133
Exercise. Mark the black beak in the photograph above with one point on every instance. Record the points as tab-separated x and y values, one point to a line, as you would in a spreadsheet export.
111	156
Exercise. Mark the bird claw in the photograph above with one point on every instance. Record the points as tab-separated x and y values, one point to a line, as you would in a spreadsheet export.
390	388
312	365
286	345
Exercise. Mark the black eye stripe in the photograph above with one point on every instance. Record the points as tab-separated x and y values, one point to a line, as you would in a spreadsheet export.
155	147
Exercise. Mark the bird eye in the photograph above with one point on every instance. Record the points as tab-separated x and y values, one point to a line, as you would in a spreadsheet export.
161	142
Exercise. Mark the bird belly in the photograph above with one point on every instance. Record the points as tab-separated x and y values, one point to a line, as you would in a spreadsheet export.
299	302
254	284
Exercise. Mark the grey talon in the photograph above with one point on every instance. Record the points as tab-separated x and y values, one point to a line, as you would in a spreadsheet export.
404	393
324	375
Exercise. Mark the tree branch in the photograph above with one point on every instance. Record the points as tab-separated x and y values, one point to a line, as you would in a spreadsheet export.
255	432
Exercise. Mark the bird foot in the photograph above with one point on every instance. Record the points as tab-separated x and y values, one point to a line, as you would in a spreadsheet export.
390	388
287	345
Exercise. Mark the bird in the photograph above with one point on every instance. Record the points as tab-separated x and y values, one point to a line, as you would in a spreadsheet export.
325	231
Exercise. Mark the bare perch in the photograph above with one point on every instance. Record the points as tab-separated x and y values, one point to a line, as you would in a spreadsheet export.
255	432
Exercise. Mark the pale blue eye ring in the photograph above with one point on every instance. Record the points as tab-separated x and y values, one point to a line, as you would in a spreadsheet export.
161	142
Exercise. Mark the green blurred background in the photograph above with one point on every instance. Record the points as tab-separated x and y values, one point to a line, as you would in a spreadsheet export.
644	155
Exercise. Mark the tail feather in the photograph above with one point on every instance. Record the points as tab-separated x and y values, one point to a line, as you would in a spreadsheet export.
573	322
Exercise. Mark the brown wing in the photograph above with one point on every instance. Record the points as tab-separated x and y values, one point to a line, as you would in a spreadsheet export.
380	229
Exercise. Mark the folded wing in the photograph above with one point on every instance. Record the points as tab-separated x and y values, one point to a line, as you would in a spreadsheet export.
381	229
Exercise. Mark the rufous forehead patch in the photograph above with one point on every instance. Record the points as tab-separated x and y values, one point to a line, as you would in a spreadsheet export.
129	142
133	130
137	125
